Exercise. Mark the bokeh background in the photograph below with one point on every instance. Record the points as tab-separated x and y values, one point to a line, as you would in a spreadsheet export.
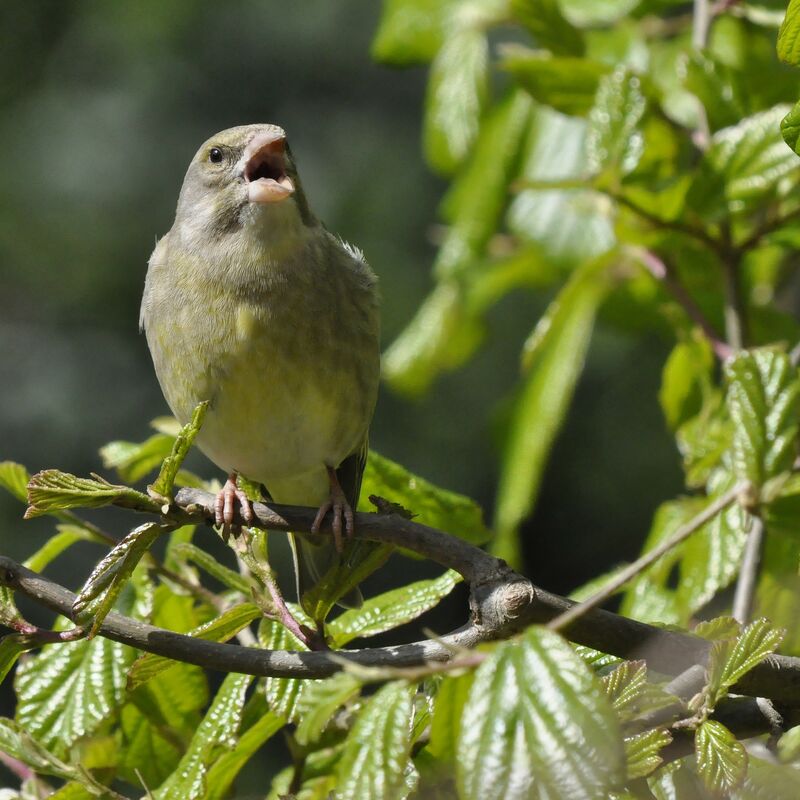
102	105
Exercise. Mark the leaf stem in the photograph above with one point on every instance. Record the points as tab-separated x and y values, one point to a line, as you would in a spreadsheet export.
642	563
748	574
660	270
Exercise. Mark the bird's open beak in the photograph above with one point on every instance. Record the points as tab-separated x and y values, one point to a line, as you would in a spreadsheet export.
265	169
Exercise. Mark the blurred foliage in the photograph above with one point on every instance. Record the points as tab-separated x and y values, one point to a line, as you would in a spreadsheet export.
626	160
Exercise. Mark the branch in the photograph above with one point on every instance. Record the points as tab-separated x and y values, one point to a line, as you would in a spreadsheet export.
662	272
501	602
748	573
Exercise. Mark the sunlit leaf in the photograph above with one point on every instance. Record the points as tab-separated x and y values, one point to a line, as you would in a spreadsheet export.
282	694
744	165
318	703
789	35
410	31
17	742
134	460
14	479
764	403
642	751
67	536
721	759
630	693
554	356
614	141
68	691
103	586
570	225
225	768
458	89
537	725
730	659
53	490
172	463
377	749
391	609
216	733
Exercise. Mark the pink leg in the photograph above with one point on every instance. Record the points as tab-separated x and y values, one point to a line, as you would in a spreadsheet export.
225	506
342	512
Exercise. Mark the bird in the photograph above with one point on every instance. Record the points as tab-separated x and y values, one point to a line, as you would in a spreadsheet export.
252	305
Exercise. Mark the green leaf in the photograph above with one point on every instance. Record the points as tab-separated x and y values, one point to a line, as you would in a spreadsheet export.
548	26
568	85
377	749
17	742
721	759
52	490
718	87
649	598
14	479
12	646
686	380
596	13
553	356
102	588
441	337
478	194
763	400
391	609
216	733
730	659
458	88
68	691
448	711
570	225
319	702
439	508
448	326
225	768
134	460
642	751
67	536
614	141
790	127
718	628
282	694
163	484
537	725
744	166
769	781
186	551
149	750
789	35
219	629
410	31
630	693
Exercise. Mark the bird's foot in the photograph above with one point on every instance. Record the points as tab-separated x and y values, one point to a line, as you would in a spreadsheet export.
343	518
225	507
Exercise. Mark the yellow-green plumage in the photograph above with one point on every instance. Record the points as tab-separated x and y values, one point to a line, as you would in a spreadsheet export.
257	308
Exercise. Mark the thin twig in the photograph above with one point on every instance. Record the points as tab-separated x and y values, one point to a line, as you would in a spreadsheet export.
632	570
666	224
660	270
748	573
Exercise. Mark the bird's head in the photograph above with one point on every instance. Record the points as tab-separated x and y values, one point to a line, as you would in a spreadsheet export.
243	176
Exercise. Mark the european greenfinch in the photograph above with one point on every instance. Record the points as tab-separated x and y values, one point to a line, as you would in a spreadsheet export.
252	304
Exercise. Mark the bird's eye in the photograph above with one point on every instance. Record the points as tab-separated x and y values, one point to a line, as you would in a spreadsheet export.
215	155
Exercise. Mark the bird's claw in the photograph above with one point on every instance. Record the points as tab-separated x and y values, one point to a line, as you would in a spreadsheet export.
343	517
225	508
